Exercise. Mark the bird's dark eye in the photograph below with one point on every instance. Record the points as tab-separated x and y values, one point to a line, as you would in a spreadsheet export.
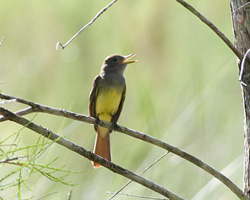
114	60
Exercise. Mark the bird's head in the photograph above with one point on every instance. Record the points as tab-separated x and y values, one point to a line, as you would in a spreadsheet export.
116	64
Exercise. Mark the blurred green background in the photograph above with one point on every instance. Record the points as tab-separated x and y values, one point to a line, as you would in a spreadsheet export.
182	90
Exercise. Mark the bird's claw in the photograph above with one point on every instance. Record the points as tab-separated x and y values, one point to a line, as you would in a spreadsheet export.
97	120
115	125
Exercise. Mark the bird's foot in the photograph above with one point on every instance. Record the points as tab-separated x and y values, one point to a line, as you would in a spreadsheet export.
115	125
97	120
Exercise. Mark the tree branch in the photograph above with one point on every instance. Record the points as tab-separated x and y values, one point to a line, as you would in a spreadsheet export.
212	26
87	154
88	24
241	30
136	134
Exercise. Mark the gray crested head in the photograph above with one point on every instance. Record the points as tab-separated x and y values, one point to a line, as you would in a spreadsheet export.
115	64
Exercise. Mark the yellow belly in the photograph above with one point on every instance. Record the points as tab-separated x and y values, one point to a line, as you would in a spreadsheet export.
107	104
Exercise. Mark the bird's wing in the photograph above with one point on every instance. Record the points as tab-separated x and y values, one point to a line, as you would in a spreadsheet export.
116	116
92	97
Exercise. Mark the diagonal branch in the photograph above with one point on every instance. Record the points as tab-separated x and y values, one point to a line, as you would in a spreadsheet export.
156	161
88	154
22	112
136	134
212	26
35	107
88	24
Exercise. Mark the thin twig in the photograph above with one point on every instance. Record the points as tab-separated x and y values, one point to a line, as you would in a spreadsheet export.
88	24
7	101
25	111
242	68
7	145
136	134
212	26
70	194
156	161
1	41
8	160
47	195
137	196
233	12
88	154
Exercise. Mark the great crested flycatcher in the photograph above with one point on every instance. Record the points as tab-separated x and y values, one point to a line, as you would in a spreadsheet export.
106	100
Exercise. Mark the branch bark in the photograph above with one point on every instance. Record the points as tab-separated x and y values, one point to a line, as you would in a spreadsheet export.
136	134
88	154
241	27
212	27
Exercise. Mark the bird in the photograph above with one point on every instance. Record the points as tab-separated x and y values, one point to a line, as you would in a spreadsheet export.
106	100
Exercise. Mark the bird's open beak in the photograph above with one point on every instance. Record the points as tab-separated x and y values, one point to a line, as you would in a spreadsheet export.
125	60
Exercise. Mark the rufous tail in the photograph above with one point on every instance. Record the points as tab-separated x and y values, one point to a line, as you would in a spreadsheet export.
102	145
